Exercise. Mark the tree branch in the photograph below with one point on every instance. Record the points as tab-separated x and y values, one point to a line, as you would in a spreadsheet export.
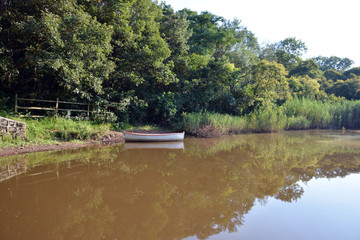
2	3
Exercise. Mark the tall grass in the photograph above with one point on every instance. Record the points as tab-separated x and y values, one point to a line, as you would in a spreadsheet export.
267	119
295	114
207	124
306	113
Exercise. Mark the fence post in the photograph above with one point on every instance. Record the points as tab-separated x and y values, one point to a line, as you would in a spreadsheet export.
56	106
16	102
7	127
88	110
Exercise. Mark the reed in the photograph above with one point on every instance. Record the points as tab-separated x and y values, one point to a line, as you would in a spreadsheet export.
205	124
306	113
266	119
295	114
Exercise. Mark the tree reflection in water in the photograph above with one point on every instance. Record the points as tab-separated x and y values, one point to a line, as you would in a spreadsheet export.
208	188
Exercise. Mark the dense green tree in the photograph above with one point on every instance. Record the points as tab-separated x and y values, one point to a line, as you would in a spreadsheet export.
266	83
245	52
333	62
79	49
332	74
351	73
307	67
304	86
350	89
175	30
212	34
288	52
55	46
6	65
140	51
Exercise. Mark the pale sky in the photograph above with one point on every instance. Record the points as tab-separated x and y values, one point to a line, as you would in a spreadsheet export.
328	27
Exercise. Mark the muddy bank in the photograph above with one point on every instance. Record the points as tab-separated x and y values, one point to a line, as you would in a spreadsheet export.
109	138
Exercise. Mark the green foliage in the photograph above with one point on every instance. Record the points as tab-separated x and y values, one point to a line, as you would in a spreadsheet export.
306	68
351	73
287	52
333	62
79	49
163	108
150	64
304	87
55	46
265	84
350	89
175	30
332	74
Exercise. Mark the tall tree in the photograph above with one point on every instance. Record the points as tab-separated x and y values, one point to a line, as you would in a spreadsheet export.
265	83
351	73
333	62
245	52
139	52
307	67
174	28
350	89
56	47
288	52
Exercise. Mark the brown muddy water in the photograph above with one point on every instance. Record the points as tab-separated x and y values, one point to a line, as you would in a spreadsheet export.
291	185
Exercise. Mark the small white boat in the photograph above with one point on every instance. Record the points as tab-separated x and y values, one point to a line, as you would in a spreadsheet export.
153	137
154	145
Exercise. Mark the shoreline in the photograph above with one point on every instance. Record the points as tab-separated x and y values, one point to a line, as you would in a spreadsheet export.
110	138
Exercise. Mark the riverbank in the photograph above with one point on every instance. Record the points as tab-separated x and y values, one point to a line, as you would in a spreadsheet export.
111	137
55	133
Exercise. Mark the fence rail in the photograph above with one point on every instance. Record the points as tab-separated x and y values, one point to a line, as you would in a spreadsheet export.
12	127
55	108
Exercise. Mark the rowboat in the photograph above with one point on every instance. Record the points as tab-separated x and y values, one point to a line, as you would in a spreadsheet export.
153	137
154	145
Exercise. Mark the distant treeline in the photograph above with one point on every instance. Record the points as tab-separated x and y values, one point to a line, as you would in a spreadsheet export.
153	63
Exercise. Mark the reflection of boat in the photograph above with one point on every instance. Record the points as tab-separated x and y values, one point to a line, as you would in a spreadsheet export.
153	137
155	145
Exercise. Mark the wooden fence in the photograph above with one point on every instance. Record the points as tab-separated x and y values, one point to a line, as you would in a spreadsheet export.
55	106
12	127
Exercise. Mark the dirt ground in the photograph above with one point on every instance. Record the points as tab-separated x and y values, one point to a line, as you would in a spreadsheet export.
109	138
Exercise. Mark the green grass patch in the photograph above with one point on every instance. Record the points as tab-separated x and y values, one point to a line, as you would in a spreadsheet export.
52	130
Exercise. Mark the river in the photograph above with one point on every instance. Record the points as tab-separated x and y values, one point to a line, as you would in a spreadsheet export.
289	185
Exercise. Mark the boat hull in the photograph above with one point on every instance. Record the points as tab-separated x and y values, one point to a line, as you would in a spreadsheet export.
150	137
154	145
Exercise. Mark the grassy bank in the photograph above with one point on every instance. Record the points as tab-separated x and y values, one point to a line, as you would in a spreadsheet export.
295	114
53	130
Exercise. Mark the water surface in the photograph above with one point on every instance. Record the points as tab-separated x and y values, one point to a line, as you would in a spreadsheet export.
292	185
